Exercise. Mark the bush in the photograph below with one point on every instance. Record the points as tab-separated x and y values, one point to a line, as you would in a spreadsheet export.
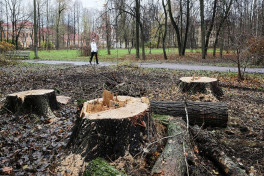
47	45
151	44
5	46
257	50
85	51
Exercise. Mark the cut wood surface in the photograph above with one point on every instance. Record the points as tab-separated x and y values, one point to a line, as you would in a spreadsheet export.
197	79
199	113
209	147
110	107
172	160
40	102
109	131
201	84
63	99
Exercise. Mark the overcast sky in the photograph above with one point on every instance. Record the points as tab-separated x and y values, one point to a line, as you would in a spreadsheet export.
97	4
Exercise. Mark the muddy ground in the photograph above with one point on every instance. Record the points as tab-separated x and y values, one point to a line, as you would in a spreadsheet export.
30	145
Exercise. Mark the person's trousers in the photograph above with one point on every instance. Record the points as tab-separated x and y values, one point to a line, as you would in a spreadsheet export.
92	54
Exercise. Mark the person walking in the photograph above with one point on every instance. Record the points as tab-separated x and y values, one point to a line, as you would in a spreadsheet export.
94	52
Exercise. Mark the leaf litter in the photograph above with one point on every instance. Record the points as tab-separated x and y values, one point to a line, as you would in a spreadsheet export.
30	145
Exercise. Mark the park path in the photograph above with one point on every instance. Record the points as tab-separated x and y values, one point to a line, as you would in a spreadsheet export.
173	66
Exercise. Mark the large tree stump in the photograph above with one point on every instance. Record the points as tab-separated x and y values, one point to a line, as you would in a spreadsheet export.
40	102
201	84
199	113
172	161
209	147
110	126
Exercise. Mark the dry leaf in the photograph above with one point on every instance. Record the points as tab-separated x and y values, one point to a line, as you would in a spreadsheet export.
7	170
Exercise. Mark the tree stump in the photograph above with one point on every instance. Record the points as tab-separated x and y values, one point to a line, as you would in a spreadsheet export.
110	126
40	102
201	84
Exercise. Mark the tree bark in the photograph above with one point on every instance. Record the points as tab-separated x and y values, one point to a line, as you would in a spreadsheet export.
176	28
137	27
202	28
40	102
199	113
165	31
208	146
186	28
172	160
210	28
35	31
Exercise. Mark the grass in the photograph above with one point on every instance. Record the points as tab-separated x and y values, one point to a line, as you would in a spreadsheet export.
74	55
191	57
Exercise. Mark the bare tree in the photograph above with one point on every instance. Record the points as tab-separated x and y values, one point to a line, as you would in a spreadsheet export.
224	13
202	28
35	30
165	30
61	7
178	27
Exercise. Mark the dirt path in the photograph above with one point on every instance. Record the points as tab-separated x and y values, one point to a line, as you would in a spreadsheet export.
173	66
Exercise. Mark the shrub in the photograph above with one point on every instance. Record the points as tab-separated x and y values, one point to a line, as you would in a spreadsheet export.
257	50
85	51
47	45
5	46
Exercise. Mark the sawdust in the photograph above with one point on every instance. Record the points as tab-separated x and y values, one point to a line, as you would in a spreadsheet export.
73	164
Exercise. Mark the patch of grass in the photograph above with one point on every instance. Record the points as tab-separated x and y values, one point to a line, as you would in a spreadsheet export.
74	55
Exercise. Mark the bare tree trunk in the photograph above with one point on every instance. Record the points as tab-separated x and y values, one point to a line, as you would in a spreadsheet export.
47	26
108	34
35	31
39	36
262	9
210	28
137	27
186	28
68	31
165	31
176	28
223	19
202	28
74	24
142	41
7	27
240	76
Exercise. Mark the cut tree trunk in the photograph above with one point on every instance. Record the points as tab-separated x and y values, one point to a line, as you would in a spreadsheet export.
110	126
172	160
201	84
199	113
40	102
208	146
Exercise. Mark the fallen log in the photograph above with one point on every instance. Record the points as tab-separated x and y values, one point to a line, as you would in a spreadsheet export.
199	113
201	84
172	160
111	126
40	102
208	146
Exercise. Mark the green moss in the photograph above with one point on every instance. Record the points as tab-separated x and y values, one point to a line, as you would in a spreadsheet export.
164	119
99	167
